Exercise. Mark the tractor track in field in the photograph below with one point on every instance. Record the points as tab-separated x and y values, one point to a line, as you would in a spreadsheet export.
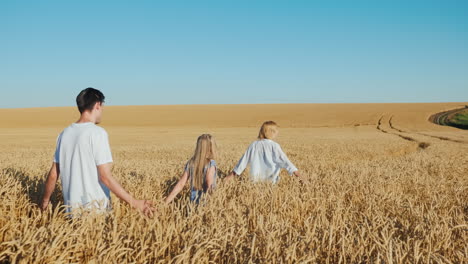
423	134
379	125
442	138
394	128
421	144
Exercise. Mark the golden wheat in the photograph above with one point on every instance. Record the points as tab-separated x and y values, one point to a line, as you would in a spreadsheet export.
383	188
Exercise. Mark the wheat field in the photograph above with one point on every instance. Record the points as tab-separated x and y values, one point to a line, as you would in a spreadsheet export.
384	186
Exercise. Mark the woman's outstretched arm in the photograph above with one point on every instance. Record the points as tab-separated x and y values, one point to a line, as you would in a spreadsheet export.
288	165
284	162
241	165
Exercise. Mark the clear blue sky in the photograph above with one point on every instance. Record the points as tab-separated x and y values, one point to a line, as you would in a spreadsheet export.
207	52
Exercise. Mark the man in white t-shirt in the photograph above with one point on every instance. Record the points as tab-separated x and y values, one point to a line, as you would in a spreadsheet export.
83	160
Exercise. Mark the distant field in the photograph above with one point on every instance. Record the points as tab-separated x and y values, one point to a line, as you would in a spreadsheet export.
460	119
386	186
287	115
455	118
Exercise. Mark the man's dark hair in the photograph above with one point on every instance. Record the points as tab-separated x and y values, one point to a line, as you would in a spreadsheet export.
88	98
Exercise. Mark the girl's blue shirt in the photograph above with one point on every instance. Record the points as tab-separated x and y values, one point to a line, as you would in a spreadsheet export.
194	193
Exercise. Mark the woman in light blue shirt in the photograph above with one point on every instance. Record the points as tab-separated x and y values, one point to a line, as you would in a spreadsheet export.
265	157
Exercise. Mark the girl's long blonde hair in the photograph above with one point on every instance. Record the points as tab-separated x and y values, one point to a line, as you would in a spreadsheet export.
204	152
268	130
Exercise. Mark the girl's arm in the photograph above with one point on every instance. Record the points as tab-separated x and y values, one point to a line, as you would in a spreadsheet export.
179	186
210	178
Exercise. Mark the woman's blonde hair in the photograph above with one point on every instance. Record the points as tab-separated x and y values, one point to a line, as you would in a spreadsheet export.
268	130
204	152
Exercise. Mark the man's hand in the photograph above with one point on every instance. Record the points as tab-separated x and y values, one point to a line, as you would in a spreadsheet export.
105	176
144	206
44	204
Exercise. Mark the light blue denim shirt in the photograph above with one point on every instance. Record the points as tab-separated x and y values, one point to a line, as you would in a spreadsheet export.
266	159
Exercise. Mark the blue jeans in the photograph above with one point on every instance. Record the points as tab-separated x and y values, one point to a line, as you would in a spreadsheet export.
195	195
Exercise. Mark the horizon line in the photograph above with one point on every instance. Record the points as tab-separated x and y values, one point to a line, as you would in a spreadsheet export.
143	105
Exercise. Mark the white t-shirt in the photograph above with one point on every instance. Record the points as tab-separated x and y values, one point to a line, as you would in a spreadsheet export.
81	147
266	159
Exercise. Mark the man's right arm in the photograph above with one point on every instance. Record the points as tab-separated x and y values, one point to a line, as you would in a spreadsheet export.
50	185
105	176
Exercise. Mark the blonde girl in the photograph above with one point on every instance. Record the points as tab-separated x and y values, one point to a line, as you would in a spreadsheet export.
200	170
265	157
